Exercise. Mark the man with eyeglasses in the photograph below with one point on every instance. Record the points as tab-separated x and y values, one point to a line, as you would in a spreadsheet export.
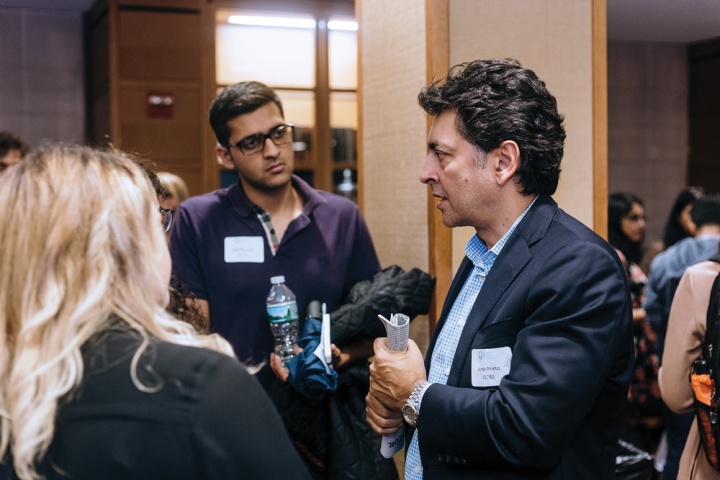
226	245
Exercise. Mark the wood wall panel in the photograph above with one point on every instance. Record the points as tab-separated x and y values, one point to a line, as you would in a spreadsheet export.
704	164
173	139
555	39
440	237
160	46
138	47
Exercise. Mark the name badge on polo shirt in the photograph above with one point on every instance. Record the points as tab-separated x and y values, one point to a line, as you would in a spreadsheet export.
489	365
244	250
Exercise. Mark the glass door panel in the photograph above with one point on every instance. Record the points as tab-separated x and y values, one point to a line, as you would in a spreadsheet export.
342	52
281	56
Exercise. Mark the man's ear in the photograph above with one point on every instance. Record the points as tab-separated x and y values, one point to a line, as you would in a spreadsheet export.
224	158
508	162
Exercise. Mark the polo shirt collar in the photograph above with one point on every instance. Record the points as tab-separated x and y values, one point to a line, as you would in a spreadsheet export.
311	198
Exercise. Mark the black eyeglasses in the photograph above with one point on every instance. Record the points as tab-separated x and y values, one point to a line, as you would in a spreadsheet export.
253	144
167	218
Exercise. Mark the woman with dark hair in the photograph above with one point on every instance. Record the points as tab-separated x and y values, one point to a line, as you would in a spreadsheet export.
626	225
679	225
626	232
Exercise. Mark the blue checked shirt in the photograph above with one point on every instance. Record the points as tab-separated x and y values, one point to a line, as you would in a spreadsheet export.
449	336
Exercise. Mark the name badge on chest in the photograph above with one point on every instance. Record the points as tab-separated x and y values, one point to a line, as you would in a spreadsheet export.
489	365
244	250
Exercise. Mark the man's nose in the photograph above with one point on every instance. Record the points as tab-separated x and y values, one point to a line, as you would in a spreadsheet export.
427	174
270	149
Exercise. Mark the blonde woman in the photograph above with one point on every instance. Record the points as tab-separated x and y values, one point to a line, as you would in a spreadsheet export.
176	187
97	381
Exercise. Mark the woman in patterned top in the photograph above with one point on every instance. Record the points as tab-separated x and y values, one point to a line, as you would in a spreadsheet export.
626	232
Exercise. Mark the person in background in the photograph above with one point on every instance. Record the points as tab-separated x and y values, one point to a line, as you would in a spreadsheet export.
227	244
626	232
176	188
687	324
528	369
97	380
12	149
181	305
678	226
665	272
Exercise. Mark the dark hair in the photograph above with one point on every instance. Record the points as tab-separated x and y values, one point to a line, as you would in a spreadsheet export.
619	204
239	99
674	231
498	100
183	307
706	210
149	172
10	141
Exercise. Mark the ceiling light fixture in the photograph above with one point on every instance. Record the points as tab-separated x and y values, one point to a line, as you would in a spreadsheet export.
271	21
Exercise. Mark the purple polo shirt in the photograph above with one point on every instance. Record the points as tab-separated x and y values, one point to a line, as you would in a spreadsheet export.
322	254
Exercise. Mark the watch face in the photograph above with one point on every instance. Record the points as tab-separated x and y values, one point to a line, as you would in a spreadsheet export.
410	414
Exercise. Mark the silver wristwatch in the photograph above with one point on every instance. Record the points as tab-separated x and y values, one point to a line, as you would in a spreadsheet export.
410	410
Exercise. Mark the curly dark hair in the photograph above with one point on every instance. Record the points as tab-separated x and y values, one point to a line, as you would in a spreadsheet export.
498	100
239	99
619	204
183	307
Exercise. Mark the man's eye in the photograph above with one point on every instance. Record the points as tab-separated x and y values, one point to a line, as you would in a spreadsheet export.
250	142
279	133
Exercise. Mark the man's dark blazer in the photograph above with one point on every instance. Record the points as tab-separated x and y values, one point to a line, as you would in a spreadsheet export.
557	295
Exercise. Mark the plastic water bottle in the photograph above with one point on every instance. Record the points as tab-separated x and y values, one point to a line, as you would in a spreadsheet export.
283	315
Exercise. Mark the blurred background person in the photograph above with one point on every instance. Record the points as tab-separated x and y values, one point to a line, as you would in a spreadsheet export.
678	226
665	272
626	232
12	149
97	380
176	188
687	325
182	301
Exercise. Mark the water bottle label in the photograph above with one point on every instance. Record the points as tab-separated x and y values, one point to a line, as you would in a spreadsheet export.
282	313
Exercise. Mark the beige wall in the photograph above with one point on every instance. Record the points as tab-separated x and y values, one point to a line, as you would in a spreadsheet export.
553	38
392	59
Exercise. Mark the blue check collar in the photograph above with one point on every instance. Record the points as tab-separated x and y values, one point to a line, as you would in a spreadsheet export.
484	258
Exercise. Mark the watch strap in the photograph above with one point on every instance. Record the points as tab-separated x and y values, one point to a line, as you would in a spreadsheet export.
416	396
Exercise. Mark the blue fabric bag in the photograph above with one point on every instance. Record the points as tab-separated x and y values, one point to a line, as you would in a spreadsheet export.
309	374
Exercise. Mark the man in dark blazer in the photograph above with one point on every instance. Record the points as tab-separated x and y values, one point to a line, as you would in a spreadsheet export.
529	366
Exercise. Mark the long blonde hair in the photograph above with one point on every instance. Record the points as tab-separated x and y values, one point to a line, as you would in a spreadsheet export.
79	244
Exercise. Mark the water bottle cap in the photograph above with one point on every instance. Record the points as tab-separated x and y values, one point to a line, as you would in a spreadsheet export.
278	279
